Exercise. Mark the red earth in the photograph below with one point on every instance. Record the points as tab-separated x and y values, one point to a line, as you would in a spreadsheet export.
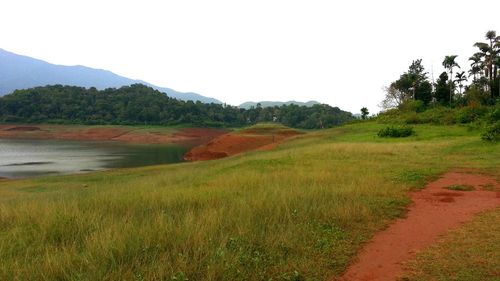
236	143
193	136
434	211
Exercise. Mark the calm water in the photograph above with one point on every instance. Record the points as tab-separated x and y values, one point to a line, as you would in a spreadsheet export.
29	158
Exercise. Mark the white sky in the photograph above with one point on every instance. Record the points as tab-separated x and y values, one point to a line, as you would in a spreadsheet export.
337	52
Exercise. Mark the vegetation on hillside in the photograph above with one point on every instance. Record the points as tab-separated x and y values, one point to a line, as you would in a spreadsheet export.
413	99
484	89
138	104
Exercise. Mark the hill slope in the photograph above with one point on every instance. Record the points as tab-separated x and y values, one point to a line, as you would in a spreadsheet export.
249	104
22	72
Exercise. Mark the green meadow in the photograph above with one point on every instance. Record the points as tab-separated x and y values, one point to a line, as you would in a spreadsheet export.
298	212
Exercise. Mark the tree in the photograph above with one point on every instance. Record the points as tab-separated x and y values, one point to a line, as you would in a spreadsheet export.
450	63
393	97
476	65
489	52
364	113
442	91
460	78
414	83
139	104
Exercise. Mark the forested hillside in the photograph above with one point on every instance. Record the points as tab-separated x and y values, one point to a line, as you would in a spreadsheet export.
139	104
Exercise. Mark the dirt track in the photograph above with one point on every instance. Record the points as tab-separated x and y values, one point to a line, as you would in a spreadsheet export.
434	211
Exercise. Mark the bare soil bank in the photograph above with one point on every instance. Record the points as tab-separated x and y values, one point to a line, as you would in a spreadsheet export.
239	142
434	211
194	136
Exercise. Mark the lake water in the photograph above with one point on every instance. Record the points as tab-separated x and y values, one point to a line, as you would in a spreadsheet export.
29	158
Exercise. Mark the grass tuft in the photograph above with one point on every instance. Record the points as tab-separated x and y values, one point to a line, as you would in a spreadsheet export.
461	187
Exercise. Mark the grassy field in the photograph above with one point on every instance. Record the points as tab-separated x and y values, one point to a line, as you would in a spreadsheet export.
299	212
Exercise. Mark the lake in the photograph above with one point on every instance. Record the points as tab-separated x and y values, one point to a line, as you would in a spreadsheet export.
30	158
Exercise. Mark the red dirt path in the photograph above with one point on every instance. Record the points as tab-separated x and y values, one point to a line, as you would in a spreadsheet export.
434	211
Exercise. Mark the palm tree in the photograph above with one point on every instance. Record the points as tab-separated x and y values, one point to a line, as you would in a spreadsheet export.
490	51
449	63
460	78
492	37
476	65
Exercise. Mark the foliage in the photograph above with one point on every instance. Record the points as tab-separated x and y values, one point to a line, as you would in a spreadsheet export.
470	114
450	63
364	113
442	90
396	132
484	88
492	133
411	85
138	104
473	114
413	106
393	98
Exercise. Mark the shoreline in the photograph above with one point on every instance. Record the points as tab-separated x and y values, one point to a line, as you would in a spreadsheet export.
127	134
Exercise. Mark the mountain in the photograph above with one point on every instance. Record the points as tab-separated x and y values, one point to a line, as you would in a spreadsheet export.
22	72
249	104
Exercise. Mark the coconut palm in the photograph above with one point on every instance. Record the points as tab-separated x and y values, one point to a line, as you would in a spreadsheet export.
449	63
460	78
490	51
476	65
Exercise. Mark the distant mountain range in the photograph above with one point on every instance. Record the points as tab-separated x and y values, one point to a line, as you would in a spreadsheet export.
248	105
22	72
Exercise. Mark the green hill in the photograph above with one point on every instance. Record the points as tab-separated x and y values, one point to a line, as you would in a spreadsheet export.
250	104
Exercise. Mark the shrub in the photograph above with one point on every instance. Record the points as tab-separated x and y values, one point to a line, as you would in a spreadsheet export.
492	133
470	113
412	106
414	119
494	115
438	115
396	132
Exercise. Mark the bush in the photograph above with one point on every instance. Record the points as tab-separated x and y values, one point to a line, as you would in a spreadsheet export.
470	113
492	133
412	106
414	118
494	115
396	132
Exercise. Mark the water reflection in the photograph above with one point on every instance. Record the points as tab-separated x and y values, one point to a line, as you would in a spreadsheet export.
29	158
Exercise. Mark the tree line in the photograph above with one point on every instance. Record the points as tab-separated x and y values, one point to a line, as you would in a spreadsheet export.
449	89
139	104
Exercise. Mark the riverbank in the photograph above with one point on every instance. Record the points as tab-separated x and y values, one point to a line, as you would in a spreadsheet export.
259	137
129	134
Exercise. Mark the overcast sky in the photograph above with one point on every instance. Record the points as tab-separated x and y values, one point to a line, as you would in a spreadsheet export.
336	52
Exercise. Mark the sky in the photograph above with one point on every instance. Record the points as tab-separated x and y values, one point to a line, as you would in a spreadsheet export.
338	52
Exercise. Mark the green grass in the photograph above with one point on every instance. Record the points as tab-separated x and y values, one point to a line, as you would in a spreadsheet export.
300	212
460	187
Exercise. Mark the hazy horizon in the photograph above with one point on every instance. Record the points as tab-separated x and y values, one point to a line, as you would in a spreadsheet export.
336	53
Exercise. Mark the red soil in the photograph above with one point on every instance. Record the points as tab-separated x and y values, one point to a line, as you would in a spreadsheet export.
23	128
434	211
235	143
192	136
